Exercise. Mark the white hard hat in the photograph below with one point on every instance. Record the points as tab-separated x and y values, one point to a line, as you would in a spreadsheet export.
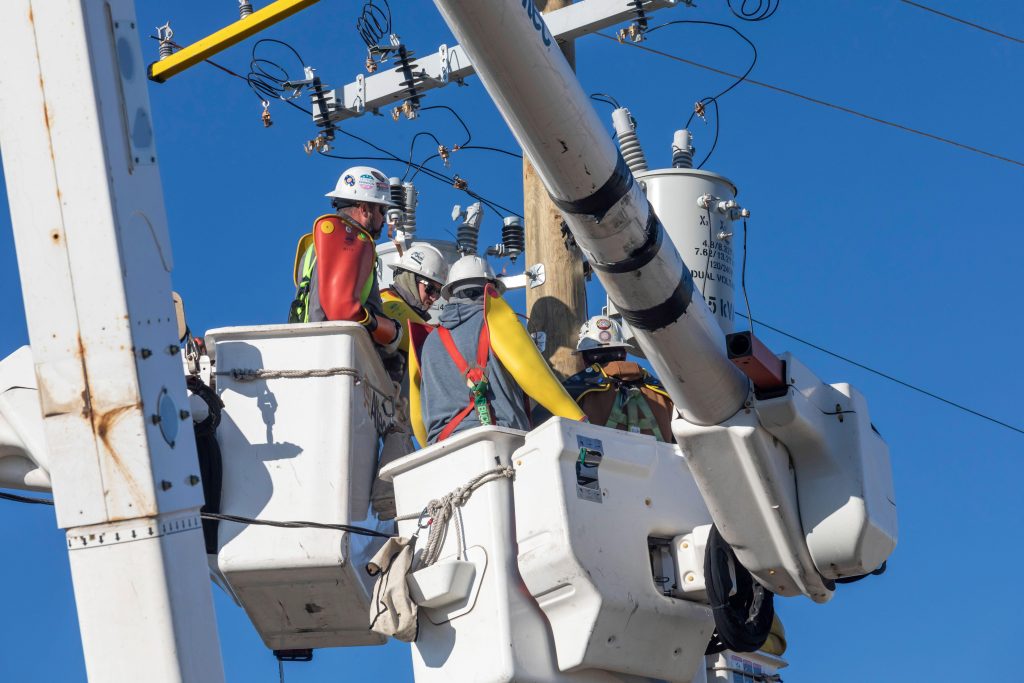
471	269
600	332
363	184
423	259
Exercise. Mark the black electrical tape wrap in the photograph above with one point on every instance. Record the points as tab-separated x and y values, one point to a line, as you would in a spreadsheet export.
604	198
640	257
663	314
743	621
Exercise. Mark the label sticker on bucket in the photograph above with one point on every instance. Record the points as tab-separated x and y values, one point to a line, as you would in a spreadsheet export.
588	485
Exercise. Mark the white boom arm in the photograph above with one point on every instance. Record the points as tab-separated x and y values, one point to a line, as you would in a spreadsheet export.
537	93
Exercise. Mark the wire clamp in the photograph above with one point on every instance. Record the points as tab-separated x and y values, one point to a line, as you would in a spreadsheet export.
320	144
698	109
637	30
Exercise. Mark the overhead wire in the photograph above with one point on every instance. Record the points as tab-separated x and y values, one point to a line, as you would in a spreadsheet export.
961	21
884	375
498	208
762	9
820	102
704	102
605	98
220	517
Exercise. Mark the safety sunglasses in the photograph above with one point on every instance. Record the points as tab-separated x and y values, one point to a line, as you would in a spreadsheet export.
430	288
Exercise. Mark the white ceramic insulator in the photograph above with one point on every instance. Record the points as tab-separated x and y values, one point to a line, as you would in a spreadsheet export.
682	149
410	200
629	144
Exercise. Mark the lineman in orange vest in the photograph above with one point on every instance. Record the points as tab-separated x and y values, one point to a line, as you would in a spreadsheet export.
336	265
475	370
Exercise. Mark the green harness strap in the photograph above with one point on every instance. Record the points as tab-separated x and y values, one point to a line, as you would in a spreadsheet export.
626	412
299	311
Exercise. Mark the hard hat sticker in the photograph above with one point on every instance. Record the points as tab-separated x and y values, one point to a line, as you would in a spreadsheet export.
604	324
349	180
326	227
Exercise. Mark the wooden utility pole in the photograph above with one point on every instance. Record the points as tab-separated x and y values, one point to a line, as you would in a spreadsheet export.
559	306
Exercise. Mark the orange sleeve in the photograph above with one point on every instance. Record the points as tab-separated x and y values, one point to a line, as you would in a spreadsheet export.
345	261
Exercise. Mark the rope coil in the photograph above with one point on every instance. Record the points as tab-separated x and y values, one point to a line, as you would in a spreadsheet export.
440	511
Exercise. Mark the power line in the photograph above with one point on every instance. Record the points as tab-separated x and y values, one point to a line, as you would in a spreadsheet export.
25	499
823	103
391	156
358	530
961	21
884	375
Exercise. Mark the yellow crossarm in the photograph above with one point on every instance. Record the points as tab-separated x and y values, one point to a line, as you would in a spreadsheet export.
226	37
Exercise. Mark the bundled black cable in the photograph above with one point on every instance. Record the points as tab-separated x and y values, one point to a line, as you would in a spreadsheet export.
743	621
266	77
374	24
755	10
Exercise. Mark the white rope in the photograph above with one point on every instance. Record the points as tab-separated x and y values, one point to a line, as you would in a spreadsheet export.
442	510
383	415
249	375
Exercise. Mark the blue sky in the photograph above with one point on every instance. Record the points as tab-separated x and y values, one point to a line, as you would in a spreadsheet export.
899	251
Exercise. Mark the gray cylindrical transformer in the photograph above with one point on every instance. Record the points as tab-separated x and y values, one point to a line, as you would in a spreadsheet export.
690	204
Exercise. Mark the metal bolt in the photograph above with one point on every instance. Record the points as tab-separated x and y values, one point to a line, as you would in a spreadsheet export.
173	349
192	480
183	414
686	544
647	502
155	419
146	353
689	578
165	484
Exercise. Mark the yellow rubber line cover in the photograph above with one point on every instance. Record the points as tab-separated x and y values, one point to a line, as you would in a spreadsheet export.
226	37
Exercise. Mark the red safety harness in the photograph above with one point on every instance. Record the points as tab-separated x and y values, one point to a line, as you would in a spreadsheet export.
476	379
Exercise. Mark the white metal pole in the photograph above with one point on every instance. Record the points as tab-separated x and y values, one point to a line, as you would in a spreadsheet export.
537	93
95	262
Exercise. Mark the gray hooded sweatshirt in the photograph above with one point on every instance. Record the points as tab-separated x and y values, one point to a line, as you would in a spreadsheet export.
443	388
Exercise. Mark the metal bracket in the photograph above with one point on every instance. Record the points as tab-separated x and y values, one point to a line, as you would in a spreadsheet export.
535	275
359	106
442	53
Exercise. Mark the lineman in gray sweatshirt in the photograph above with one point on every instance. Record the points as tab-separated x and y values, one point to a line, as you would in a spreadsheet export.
466	377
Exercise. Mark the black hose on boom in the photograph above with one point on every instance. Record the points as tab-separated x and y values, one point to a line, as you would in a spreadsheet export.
744	620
